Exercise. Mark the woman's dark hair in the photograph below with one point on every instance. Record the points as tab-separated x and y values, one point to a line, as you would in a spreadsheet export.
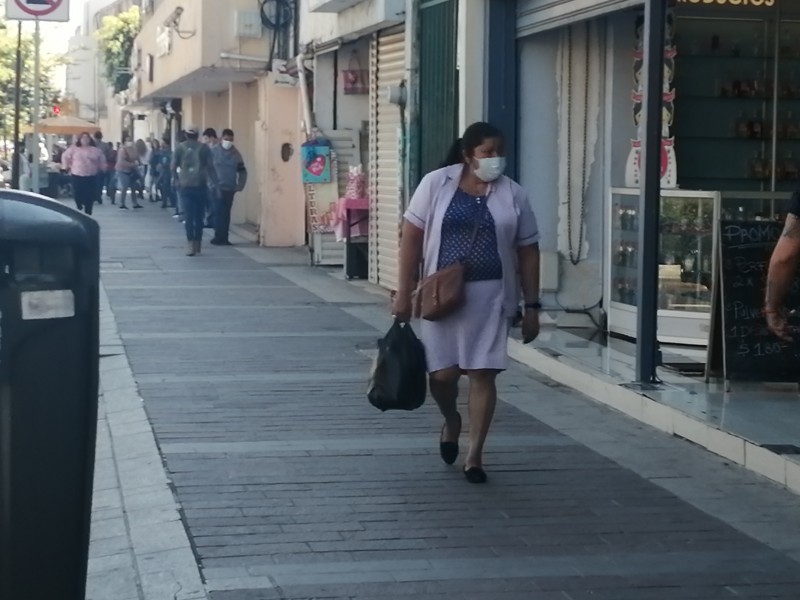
87	134
474	136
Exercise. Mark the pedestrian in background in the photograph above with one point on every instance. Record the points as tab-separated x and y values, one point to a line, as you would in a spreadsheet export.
108	173
232	177
211	140
164	176
127	173
193	171
468	212
86	163
139	179
151	178
781	274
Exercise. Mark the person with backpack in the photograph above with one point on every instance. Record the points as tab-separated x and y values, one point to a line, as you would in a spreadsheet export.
194	175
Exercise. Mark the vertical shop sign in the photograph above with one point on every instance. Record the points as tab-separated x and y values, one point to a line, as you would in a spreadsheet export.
669	163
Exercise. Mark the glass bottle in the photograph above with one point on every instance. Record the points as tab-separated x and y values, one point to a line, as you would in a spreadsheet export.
756	126
757	166
791	130
742	126
790	167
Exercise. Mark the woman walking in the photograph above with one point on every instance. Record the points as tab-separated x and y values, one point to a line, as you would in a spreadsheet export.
127	173
469	212
86	163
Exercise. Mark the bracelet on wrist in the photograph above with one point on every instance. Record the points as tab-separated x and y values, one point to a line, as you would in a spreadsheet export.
533	306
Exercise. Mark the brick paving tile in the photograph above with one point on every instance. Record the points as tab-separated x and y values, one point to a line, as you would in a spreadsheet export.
293	487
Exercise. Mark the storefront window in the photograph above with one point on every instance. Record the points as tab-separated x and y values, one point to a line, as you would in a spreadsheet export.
685	249
737	121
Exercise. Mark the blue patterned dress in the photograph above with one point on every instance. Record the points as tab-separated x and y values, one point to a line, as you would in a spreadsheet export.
474	337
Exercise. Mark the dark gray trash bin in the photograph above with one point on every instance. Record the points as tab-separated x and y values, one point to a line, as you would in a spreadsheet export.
49	358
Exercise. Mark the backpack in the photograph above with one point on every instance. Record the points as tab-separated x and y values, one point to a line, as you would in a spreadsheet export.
192	167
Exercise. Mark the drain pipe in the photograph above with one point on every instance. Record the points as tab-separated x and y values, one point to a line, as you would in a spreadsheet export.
301	75
243	57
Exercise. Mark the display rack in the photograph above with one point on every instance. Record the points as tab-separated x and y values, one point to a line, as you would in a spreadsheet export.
686	263
737	108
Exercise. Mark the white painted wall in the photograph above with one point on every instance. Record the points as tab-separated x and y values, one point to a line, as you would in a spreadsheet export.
580	286
471	60
365	17
333	109
82	79
352	110
621	129
324	88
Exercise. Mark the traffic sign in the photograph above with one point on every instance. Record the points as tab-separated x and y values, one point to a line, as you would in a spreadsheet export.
41	10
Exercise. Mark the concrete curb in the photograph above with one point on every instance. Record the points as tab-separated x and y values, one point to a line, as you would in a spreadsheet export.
140	548
609	392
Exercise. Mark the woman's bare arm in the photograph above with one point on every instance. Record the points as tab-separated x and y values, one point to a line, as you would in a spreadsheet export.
528	257
410	257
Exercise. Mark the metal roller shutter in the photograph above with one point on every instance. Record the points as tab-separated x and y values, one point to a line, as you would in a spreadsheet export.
387	67
534	16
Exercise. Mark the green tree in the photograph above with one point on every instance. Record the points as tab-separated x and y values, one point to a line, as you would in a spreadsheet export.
116	37
8	61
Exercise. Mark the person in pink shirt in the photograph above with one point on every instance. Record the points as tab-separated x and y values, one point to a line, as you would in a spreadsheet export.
86	163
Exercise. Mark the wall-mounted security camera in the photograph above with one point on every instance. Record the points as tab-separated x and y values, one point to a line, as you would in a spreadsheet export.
173	23
174	19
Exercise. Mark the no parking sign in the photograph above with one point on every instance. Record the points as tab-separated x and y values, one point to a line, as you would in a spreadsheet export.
42	10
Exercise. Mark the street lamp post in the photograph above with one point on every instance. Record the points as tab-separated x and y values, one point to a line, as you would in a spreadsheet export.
37	106
15	157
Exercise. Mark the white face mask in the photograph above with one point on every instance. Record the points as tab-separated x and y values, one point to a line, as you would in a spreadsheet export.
491	168
129	144
227	144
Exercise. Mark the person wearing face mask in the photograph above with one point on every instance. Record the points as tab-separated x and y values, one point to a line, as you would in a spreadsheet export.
232	177
85	163
468	212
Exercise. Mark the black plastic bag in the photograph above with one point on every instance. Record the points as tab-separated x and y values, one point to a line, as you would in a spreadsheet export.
399	378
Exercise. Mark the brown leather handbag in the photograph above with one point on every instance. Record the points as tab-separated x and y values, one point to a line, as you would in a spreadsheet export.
443	293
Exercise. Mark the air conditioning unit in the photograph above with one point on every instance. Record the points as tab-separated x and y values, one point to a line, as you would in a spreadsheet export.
163	41
247	24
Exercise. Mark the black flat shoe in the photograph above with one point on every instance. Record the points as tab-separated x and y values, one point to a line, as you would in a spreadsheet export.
448	450
475	475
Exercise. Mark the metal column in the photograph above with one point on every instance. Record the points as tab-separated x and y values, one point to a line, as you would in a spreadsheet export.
37	106
19	152
502	92
647	352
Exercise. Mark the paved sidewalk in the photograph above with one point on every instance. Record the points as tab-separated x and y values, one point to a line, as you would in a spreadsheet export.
289	485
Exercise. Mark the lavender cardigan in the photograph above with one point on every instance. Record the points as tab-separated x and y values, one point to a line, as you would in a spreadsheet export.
513	217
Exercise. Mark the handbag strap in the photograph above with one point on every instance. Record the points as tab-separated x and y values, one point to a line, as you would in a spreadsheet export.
478	220
473	238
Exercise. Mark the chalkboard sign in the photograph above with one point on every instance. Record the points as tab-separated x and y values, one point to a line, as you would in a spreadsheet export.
751	351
